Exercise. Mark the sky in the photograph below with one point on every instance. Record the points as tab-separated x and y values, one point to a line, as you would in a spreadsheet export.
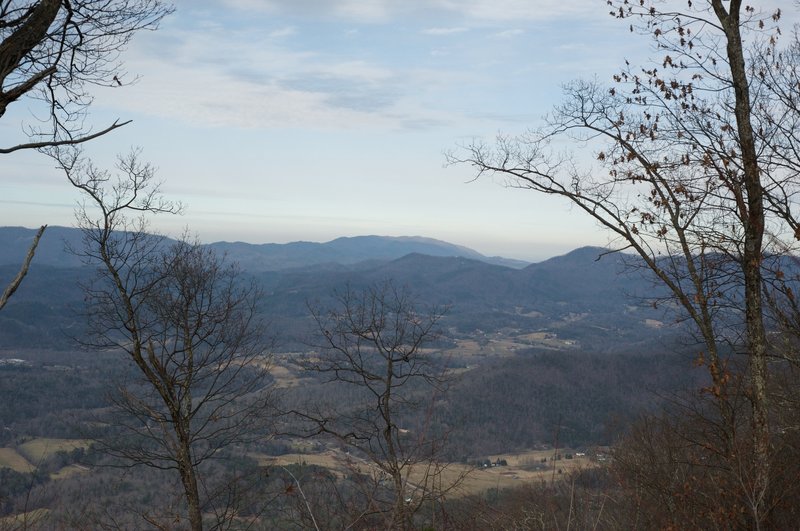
287	120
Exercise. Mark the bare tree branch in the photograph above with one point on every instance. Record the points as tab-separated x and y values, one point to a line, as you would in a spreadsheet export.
14	285
70	142
54	50
377	342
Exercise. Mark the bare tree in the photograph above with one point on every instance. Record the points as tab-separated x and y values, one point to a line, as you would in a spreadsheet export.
376	343
54	50
693	169
184	318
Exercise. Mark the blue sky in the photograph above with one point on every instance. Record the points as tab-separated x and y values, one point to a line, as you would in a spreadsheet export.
287	120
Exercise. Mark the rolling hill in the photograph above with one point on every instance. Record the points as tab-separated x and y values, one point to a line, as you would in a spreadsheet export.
581	296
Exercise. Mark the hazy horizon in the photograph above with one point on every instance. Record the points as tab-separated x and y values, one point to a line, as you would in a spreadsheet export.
279	121
542	253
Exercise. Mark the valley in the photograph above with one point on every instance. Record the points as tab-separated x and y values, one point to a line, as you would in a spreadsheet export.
544	366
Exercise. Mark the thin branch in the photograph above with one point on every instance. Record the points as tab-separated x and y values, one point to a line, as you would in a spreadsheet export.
12	287
69	142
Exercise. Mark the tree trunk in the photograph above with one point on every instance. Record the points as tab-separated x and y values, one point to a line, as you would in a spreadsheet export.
17	45
399	516
398	520
190	489
753	221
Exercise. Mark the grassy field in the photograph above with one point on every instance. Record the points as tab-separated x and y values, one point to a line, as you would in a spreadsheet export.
37	450
532	457
69	471
25	457
286	376
10	458
505	347
31	519
522	468
469	348
332	460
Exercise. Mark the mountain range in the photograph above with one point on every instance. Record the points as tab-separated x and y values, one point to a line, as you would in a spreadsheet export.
57	241
593	301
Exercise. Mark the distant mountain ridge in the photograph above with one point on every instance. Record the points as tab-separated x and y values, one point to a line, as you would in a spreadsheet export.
52	249
14	242
347	251
583	300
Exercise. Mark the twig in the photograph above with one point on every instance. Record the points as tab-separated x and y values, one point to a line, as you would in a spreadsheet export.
303	495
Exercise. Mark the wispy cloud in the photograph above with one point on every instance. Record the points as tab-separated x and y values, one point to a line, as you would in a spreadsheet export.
383	10
36	203
444	31
358	10
363	11
248	70
240	102
246	80
504	10
509	33
283	32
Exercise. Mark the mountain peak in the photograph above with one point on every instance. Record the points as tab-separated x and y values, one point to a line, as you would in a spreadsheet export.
14	243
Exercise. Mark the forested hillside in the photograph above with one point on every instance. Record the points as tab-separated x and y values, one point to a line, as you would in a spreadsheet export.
555	354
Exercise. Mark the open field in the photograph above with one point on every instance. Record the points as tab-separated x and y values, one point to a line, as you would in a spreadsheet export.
10	458
27	520
69	471
473	480
518	472
25	457
333	460
469	348
545	340
286	376
533	457
41	448
507	346
523	467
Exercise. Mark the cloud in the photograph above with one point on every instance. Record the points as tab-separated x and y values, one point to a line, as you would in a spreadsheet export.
358	10
232	101
283	32
363	11
379	11
36	203
507	34
240	70
354	85
444	31
248	79
505	10
344	91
